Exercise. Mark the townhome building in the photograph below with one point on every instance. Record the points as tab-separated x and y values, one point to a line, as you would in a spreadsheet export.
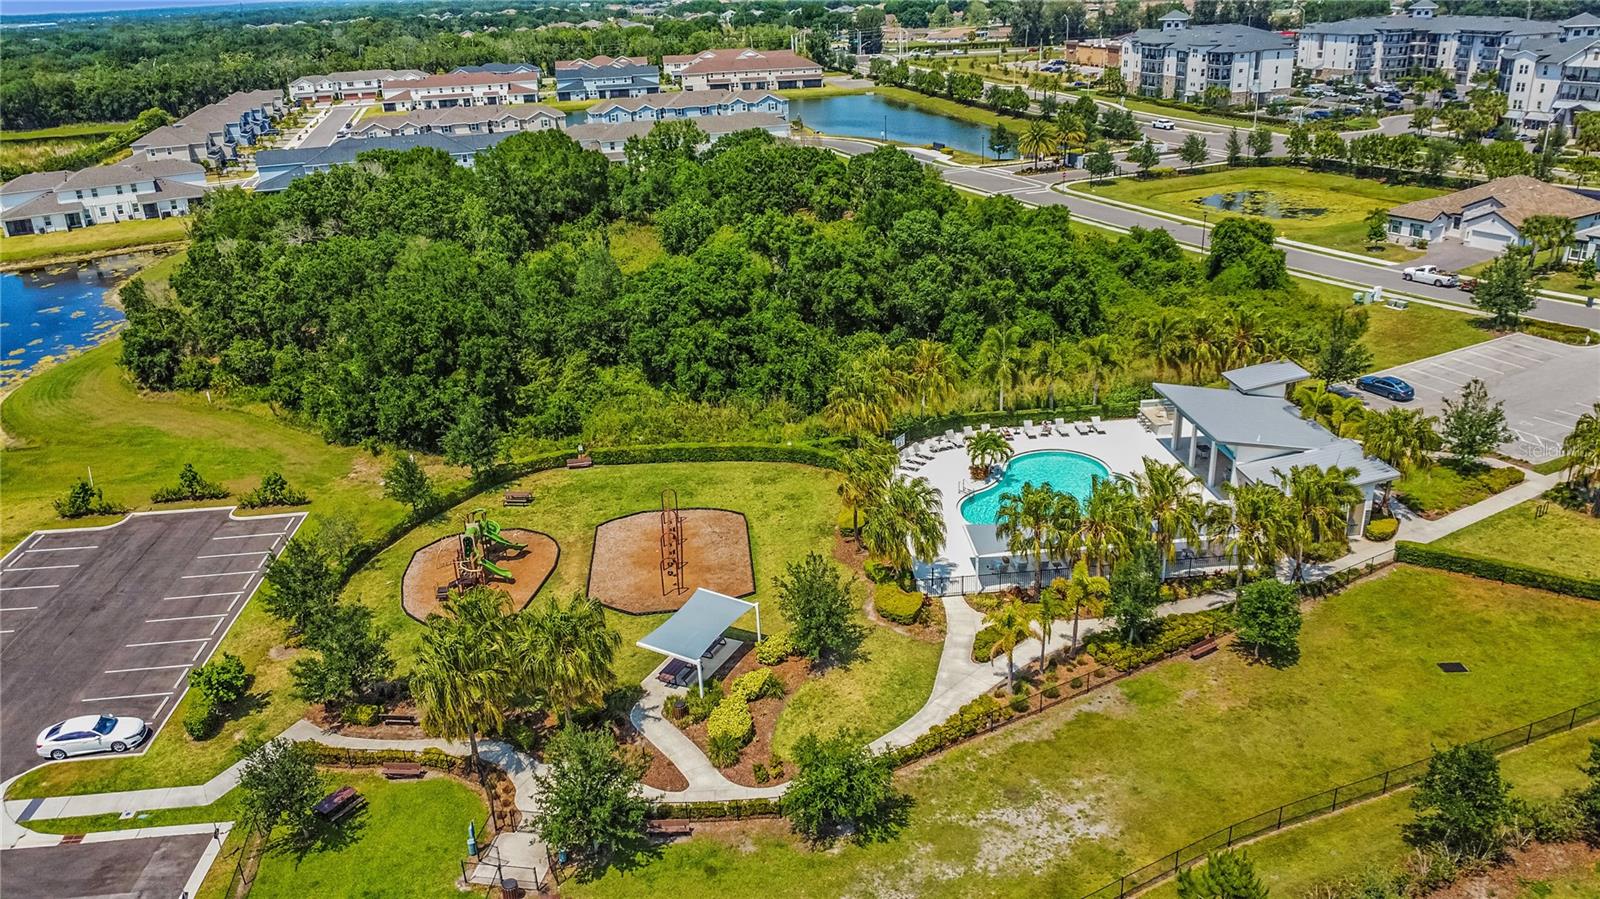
213	134
366	84
1416	41
460	89
611	139
1552	79
674	65
605	77
1183	62
42	202
749	70
463	120
500	68
280	168
687	105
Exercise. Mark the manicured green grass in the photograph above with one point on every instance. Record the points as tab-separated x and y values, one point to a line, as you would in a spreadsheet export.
407	842
224	809
1562	282
950	108
568	105
1561	540
1397	336
1444	487
113	236
79	129
1367	836
827	90
1061	804
1346	199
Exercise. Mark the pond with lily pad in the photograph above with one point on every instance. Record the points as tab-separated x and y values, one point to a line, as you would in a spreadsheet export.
1264	203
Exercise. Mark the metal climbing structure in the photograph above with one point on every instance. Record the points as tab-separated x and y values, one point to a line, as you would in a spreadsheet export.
671	543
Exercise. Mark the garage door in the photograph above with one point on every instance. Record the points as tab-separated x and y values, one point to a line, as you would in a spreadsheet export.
1487	240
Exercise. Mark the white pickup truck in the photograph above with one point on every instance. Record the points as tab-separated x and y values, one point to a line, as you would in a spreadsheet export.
1430	274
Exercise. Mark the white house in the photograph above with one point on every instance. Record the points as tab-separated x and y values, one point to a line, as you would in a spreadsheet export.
1551	79
1382	48
1181	62
366	84
462	120
460	89
749	70
1251	433
42	202
1489	216
688	104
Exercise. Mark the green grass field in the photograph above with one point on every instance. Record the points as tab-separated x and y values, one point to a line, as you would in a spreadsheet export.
98	239
1443	487
1344	200
79	129
1561	540
1064	803
950	108
1396	336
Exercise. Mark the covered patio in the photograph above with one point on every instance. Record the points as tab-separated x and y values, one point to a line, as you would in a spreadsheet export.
693	638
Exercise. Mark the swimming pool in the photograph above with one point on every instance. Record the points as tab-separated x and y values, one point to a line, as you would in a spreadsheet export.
1067	472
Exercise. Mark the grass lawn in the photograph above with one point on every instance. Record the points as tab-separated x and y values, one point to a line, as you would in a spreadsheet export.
1562	540
791	510
1063	803
1345	201
78	129
1368	836
1444	487
1396	336
827	90
114	236
950	108
1562	282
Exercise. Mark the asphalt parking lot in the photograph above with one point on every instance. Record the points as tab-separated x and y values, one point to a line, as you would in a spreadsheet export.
110	620
1545	386
144	867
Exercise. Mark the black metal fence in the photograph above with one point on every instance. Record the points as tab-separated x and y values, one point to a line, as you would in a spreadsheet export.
1020	573
1329	801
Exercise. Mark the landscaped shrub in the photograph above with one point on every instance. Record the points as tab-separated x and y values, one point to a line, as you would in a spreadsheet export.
757	684
760	772
190	486
1019	703
1568	496
1174	631
723	750
361	714
730	719
1495	570
898	605
1381	529
1077	682
737	808
1503	478
983	644
222	680
1328	550
274	491
774	650
1053	691
699	707
201	722
84	498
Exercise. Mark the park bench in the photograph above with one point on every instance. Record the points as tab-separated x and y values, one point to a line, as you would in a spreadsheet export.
1203	648
517	498
405	720
669	829
338	804
403	771
580	462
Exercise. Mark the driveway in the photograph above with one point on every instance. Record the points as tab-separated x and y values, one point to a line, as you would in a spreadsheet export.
328	130
1453	255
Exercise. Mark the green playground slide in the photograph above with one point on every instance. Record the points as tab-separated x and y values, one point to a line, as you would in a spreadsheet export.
497	571
491	530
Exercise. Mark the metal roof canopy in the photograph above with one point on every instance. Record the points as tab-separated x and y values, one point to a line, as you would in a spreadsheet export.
692	629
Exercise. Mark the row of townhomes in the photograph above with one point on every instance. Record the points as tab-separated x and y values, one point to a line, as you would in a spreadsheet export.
462	120
460	89
135	188
213	134
604	77
744	70
367	84
688	105
1180	62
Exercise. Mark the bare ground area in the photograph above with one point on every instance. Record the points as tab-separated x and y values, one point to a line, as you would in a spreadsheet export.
625	572
1538	862
433	566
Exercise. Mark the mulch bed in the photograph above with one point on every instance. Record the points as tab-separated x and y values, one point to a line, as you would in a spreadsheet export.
434	566
659	772
625	572
322	717
792	672
1538	862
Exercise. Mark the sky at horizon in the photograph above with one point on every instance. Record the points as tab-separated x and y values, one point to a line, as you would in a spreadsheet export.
10	8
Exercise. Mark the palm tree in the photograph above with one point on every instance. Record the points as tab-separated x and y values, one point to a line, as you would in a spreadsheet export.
1162	336
986	449
860	403
1027	521
1319	501
1552	232
1101	357
1037	139
1070	132
1343	415
1168	501
1009	622
460	680
567	650
1110	522
906	523
931	373
1404	438
1083	591
1049	362
1204	349
1053	603
1582	447
865	472
1000	359
1242	330
1260	515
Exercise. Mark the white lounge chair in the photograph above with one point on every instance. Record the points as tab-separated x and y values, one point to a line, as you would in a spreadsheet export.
1027	428
966	433
984	428
1083	429
1094	424
1061	427
953	438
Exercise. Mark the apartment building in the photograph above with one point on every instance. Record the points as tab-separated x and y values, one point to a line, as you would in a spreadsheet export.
367	84
749	70
459	89
1552	79
136	188
1177	61
605	77
1417	40
687	105
213	134
462	120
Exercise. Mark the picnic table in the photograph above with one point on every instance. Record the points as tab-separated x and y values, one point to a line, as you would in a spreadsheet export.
339	803
517	498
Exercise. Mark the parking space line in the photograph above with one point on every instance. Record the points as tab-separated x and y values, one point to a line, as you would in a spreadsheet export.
261	552
181	678
190	577
196	656
167	642
248	536
42	567
183	618
1559	424
126	696
59	549
20	609
1564	413
146	668
159	706
34	587
202	595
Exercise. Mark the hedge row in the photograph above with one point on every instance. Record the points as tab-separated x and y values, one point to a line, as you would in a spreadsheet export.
898	605
437	759
1176	631
931	427
735	809
1495	570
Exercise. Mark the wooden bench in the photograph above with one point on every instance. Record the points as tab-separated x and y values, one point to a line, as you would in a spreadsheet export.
403	771
580	462
1203	648
517	498
405	720
670	829
338	804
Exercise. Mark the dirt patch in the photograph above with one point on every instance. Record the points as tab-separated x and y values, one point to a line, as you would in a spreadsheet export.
659	770
847	553
329	720
1538	862
764	712
626	570
434	566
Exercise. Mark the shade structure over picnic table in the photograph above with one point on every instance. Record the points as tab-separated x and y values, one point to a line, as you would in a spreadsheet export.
694	628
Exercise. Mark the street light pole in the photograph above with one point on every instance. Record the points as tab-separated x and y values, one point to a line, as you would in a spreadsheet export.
1205	219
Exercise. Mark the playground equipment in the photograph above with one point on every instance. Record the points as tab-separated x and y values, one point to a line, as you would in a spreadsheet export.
473	565
672	561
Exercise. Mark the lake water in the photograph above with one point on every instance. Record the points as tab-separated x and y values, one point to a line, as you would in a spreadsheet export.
49	313
870	115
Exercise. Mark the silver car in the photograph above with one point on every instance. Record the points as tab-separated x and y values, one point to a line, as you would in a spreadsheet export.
90	733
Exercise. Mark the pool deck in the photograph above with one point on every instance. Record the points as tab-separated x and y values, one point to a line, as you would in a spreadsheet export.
1123	449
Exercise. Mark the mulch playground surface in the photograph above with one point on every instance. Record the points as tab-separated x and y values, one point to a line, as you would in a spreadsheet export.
625	572
434	566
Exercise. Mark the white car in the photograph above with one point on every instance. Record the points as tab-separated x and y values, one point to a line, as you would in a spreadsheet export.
90	733
1164	124
1430	274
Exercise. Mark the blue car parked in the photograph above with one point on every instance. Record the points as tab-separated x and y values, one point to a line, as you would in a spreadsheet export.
1388	386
